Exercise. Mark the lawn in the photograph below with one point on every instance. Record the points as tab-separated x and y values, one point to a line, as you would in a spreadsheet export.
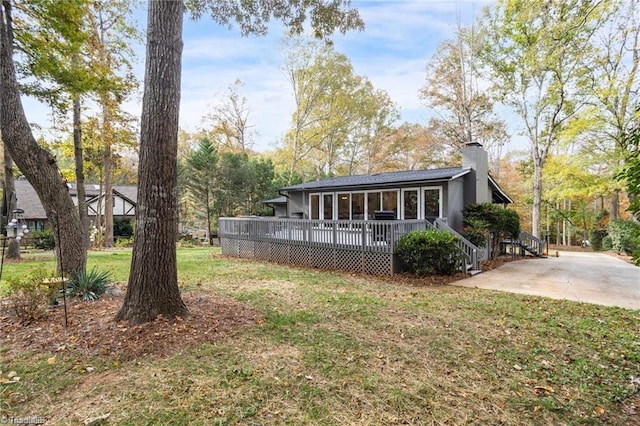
337	348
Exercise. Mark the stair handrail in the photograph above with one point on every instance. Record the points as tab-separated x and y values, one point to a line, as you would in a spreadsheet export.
470	250
530	240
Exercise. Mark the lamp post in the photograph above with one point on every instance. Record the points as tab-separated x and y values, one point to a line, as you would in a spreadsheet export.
15	231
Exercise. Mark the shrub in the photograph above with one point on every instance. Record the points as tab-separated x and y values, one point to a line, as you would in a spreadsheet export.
28	297
624	235
43	239
124	242
607	244
595	238
429	252
88	286
501	223
475	230
122	227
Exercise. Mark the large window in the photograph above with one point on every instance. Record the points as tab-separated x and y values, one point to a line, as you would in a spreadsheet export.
390	201
432	203
328	206
373	204
315	206
357	206
343	206
410	204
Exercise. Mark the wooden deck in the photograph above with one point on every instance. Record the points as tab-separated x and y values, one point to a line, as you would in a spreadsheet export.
361	246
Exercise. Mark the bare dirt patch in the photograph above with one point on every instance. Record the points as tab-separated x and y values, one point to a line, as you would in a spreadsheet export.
92	330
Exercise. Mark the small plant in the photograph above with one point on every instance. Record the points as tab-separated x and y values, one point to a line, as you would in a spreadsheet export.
475	230
429	252
89	286
43	240
124	242
29	296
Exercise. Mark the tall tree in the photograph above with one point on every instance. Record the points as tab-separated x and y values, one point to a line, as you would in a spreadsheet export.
535	50
200	176
464	110
614	71
37	164
153	286
230	120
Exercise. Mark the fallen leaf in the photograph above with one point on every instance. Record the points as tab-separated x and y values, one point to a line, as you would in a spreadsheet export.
543	390
51	360
598	411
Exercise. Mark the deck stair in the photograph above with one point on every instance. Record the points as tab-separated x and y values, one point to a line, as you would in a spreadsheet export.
527	243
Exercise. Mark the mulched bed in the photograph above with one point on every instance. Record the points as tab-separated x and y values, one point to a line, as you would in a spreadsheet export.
92	330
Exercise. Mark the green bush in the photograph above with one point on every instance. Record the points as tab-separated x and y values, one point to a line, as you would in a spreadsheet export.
124	242
607	244
88	286
475	230
595	238
624	236
499	222
429	252
122	227
43	239
29	297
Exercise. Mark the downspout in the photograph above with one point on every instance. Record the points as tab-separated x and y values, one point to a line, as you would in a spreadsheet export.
287	197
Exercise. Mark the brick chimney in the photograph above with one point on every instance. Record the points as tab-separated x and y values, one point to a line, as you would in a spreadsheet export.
477	186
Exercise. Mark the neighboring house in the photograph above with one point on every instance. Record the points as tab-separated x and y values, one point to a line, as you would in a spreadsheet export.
35	217
413	194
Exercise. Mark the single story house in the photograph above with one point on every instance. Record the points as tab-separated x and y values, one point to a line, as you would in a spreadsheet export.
35	217
410	195
354	222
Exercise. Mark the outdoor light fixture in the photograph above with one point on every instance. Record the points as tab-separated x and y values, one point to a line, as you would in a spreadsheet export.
15	228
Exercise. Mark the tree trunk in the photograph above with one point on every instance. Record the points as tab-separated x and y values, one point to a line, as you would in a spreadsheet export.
537	196
9	200
108	197
153	281
37	164
107	136
9	205
79	160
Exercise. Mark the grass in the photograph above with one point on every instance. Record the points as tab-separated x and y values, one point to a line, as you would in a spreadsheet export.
344	349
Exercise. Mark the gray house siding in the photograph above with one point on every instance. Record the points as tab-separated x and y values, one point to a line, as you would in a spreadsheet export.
455	203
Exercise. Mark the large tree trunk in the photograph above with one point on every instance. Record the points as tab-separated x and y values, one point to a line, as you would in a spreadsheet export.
107	136
537	196
79	160
153	281
9	204
37	164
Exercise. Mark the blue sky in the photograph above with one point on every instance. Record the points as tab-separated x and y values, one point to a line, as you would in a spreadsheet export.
392	52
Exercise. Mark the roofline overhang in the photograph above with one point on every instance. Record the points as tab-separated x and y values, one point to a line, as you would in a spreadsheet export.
369	186
500	190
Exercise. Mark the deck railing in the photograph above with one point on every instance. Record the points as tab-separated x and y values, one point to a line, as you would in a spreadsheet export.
532	244
472	253
372	236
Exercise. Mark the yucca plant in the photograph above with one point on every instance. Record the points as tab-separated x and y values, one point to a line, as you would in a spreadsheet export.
89	286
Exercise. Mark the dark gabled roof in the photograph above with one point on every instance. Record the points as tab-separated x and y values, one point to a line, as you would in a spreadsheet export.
498	195
27	199
381	179
279	200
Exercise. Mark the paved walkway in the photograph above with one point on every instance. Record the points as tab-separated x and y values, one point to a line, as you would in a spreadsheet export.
580	276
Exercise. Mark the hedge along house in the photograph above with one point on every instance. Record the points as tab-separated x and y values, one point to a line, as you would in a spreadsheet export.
335	217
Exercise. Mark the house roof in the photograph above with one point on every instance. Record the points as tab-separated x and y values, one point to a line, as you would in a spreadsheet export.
381	179
27	198
279	200
394	178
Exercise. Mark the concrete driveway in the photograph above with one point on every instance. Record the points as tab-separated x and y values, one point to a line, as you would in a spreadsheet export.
579	276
